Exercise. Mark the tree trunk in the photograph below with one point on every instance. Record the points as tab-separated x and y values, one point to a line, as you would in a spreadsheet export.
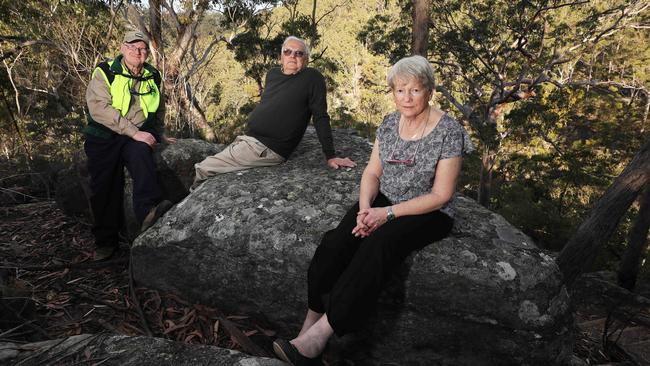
21	138
485	182
176	86
158	54
581	250
637	245
420	35
188	107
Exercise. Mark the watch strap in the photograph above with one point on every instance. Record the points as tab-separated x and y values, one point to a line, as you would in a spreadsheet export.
390	215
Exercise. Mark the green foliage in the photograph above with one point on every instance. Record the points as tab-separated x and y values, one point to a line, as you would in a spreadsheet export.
49	51
374	36
254	50
556	149
564	150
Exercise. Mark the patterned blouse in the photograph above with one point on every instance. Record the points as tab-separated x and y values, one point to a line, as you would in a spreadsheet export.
402	182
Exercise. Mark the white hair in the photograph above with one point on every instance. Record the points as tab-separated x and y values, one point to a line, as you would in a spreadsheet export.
294	38
417	67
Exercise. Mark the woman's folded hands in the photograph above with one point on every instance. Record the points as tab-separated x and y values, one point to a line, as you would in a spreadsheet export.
369	220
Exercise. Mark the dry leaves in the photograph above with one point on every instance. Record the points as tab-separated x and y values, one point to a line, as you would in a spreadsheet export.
75	300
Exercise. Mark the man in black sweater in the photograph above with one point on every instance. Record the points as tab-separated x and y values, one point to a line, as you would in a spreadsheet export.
293	94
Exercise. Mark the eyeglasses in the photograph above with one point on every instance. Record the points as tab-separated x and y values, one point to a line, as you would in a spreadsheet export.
410	161
289	52
135	49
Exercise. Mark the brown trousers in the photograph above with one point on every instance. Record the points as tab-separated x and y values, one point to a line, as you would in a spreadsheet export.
244	153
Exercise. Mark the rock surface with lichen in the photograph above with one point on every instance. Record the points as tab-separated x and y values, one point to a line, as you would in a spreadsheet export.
124	351
242	241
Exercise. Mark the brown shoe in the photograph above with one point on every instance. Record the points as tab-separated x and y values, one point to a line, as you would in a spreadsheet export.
104	252
197	182
155	214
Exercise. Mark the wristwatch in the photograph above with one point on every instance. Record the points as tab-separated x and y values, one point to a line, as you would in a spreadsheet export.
390	215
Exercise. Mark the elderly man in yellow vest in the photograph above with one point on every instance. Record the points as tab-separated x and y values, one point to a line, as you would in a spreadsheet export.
125	120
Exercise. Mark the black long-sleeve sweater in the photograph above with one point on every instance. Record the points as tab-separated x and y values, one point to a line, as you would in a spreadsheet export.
288	102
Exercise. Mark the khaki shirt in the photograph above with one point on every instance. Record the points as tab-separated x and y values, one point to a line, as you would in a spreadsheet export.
99	101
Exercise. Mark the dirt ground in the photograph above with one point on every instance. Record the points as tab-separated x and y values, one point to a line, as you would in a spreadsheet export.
43	297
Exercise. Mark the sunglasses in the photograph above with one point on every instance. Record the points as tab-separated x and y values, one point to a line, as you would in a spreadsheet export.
289	52
135	92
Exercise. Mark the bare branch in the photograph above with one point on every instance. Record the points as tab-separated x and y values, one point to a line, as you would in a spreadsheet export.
462	108
196	65
320	55
329	12
173	15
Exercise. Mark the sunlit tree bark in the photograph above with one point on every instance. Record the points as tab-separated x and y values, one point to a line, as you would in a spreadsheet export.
637	245
582	249
420	36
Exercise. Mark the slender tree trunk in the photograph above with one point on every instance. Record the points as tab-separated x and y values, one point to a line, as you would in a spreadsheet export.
188	107
22	140
583	247
420	35
191	107
637	245
313	19
485	182
158	54
176	87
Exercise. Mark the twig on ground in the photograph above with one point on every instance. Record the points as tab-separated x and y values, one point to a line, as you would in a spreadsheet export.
134	296
15	328
246	344
81	265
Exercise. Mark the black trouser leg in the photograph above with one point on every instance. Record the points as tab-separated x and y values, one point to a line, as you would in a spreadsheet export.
138	158
353	291
107	188
333	255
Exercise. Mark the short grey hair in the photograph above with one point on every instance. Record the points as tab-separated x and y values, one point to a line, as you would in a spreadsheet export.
417	67
294	38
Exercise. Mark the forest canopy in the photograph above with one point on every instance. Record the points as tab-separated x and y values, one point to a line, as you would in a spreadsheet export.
554	94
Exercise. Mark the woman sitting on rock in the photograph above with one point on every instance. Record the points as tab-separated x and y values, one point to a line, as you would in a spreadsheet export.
404	204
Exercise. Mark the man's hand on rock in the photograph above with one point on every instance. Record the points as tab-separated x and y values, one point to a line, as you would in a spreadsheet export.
169	140
145	137
336	163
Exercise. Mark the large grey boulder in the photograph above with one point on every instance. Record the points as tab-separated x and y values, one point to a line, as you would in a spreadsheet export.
174	167
243	241
124	351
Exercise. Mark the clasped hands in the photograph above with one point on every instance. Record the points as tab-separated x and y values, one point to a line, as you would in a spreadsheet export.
369	220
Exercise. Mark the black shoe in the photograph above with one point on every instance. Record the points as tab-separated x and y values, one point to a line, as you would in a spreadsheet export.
155	214
287	352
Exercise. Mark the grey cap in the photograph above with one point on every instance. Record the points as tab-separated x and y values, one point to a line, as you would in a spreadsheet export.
135	36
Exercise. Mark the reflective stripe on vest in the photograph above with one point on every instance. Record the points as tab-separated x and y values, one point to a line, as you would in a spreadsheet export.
120	90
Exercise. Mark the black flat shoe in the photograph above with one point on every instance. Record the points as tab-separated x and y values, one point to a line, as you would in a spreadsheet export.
287	352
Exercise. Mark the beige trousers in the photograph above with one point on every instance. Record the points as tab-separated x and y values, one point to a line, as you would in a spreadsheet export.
244	153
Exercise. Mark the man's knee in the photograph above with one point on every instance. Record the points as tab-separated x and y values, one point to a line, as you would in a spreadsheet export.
138	148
